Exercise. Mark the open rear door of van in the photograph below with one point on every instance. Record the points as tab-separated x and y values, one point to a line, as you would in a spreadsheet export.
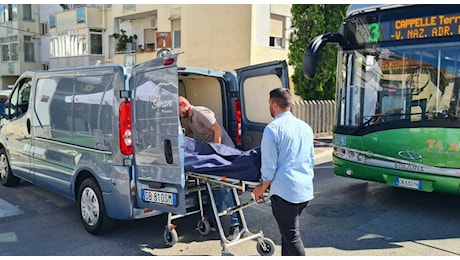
158	143
255	83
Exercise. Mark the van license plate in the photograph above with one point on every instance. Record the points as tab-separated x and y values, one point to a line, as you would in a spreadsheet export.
412	184
159	197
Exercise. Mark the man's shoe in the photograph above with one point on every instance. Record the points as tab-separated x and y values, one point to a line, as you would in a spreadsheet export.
212	228
234	233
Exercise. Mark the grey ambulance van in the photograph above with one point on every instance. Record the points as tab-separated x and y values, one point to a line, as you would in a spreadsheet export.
109	137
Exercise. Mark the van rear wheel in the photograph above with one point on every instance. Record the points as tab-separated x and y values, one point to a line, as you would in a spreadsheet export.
92	208
6	176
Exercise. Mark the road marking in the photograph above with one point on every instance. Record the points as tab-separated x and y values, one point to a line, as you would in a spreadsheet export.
324	167
7	210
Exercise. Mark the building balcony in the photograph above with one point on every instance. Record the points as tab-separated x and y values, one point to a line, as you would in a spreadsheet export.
133	57
80	17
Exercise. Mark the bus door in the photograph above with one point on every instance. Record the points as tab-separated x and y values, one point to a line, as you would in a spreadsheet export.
255	83
157	140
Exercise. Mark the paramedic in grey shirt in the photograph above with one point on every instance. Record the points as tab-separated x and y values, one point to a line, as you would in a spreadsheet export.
288	159
201	123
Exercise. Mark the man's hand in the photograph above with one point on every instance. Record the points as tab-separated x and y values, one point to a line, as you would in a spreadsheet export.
259	190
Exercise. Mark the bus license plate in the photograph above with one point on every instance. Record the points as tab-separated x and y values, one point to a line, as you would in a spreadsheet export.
159	197
406	183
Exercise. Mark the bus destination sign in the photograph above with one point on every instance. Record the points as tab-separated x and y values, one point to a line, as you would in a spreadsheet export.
415	28
426	27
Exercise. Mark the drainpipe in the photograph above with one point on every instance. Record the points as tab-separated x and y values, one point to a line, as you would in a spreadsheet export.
104	14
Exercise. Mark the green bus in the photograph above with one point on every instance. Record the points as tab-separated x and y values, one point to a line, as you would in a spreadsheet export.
397	101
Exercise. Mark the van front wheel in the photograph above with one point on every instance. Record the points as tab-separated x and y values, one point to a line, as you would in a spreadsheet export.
92	208
6	176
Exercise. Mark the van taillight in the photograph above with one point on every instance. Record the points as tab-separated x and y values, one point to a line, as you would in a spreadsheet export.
238	118
126	133
168	62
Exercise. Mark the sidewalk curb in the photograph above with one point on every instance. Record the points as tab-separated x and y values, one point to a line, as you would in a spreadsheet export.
323	155
323	150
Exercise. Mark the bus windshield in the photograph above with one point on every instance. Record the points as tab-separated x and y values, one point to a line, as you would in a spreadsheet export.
401	64
409	83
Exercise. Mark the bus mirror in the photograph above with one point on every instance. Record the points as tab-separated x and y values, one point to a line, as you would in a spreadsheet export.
309	63
310	57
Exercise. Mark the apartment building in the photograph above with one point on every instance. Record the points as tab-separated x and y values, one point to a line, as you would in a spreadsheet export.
19	28
220	36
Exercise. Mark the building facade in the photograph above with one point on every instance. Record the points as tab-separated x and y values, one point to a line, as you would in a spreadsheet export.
218	36
19	30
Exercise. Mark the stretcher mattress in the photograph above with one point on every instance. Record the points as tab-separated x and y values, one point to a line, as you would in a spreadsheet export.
221	160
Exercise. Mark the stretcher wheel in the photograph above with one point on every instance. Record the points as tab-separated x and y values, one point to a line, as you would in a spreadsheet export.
203	227
265	247
225	253
170	236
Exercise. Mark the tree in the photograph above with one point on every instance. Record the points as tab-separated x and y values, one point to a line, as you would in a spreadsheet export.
309	21
123	40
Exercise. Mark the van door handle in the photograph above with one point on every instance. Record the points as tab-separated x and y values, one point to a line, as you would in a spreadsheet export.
28	125
168	151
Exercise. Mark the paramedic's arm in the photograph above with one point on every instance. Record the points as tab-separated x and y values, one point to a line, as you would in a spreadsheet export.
269	162
217	133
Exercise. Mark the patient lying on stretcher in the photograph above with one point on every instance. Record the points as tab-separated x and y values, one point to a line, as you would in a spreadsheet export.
221	160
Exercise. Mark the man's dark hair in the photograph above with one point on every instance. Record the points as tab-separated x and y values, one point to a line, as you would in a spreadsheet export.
282	97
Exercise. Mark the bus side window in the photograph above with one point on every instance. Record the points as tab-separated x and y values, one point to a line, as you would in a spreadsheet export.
454	104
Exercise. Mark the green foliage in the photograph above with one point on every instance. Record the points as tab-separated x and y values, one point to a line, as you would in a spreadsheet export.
123	40
309	21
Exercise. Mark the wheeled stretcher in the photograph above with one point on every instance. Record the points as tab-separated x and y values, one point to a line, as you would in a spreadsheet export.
202	184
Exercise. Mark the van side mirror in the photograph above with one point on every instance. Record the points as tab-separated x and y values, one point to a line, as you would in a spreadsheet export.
4	110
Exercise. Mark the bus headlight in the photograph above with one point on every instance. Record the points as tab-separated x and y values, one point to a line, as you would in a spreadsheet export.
351	154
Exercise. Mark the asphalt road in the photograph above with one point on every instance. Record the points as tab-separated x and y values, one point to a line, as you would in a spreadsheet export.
346	218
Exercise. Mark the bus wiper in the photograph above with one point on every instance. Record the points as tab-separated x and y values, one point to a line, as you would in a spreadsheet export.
400	116
384	118
371	119
444	114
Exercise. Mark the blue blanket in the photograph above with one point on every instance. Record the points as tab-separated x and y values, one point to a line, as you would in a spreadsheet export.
221	160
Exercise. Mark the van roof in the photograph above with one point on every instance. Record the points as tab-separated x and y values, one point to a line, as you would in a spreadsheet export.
125	69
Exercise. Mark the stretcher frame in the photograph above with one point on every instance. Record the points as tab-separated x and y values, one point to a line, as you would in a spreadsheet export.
203	182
